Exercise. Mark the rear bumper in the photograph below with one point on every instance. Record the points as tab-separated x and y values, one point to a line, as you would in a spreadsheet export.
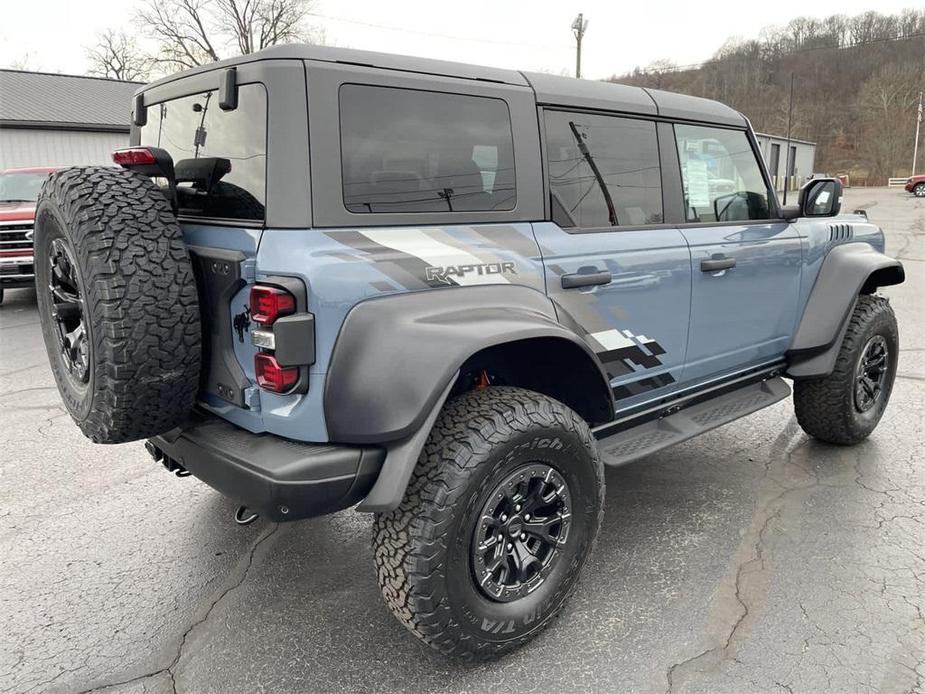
280	479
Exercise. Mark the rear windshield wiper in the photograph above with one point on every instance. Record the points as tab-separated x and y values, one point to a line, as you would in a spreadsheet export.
586	153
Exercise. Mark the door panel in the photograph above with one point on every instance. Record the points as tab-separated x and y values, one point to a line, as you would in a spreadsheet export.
746	265
637	322
743	315
623	280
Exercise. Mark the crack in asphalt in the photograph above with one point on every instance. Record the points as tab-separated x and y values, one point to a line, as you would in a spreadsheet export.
171	667
753	565
25	368
910	377
18	325
26	390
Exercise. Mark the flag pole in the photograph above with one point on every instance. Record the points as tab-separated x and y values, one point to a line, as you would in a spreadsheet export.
918	124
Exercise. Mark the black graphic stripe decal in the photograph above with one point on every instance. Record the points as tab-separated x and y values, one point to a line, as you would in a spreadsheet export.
409	271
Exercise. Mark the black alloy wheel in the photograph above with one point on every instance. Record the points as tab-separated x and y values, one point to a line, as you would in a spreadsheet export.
519	532
871	373
67	312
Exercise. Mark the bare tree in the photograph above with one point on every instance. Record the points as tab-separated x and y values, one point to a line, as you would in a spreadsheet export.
117	56
195	32
257	24
182	28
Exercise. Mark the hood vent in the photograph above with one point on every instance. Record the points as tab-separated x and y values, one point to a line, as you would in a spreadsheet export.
840	232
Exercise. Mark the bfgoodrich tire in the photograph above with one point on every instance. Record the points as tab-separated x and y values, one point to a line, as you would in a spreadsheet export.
846	406
117	302
495	527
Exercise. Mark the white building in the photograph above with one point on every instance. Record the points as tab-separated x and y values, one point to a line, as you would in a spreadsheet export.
800	161
61	120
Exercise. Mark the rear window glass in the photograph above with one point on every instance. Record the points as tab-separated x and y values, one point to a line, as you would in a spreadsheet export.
406	150
220	157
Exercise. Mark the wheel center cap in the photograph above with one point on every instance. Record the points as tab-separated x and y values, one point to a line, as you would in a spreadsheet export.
515	526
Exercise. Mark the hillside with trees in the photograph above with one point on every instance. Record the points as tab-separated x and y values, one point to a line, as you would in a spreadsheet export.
856	87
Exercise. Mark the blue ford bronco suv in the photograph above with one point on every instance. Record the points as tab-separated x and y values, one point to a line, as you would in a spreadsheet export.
448	295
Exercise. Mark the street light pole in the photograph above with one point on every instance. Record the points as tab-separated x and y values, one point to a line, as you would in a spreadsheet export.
918	125
578	28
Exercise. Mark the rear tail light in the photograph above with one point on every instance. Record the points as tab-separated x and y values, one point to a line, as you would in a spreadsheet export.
273	377
269	303
134	156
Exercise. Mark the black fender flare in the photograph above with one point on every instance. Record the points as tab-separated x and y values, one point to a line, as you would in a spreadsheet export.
397	357
848	270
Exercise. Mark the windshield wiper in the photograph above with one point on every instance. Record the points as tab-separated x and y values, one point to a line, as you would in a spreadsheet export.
586	153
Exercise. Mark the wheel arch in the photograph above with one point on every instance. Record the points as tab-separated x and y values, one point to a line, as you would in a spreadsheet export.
398	359
395	355
551	365
848	271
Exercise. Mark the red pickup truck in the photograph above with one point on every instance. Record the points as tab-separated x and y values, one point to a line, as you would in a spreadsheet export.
916	186
19	189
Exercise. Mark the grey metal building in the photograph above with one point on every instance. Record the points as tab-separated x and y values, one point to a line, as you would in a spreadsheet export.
61	120
800	159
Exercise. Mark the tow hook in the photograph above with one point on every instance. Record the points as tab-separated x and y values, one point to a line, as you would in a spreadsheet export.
171	465
244	516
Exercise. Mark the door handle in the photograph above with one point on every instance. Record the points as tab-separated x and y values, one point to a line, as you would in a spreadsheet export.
717	263
586	279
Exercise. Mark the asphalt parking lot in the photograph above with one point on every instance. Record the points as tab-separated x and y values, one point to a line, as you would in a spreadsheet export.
751	559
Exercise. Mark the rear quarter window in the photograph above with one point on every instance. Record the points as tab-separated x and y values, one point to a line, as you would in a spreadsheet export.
406	150
220	156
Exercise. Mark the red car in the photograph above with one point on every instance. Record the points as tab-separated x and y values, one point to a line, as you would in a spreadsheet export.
916	186
19	189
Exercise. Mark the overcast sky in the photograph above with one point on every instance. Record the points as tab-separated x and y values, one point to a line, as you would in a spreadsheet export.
52	35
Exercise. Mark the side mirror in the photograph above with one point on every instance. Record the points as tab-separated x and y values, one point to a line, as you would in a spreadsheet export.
821	197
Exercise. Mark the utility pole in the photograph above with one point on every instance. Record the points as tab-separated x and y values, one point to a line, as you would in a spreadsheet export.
918	125
578	28
788	166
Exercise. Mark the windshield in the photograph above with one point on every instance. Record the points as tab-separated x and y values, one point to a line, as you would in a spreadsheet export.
21	187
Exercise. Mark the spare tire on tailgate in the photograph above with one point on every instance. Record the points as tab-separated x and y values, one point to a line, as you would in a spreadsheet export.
118	303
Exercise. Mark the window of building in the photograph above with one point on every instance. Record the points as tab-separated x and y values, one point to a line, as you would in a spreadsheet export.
774	164
603	170
721	176
220	157
406	150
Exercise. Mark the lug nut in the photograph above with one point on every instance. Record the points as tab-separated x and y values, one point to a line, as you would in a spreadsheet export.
510	545
523	536
503	518
517	507
527	517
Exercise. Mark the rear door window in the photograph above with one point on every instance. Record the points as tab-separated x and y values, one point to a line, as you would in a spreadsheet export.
406	150
220	157
603	170
721	175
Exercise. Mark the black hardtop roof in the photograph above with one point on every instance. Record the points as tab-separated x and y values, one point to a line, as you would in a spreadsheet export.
549	89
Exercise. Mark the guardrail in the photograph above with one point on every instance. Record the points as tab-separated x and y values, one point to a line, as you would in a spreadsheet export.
896	182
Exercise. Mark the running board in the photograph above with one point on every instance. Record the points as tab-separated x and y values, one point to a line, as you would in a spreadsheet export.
642	440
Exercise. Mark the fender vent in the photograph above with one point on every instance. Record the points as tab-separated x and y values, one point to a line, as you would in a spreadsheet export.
840	232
